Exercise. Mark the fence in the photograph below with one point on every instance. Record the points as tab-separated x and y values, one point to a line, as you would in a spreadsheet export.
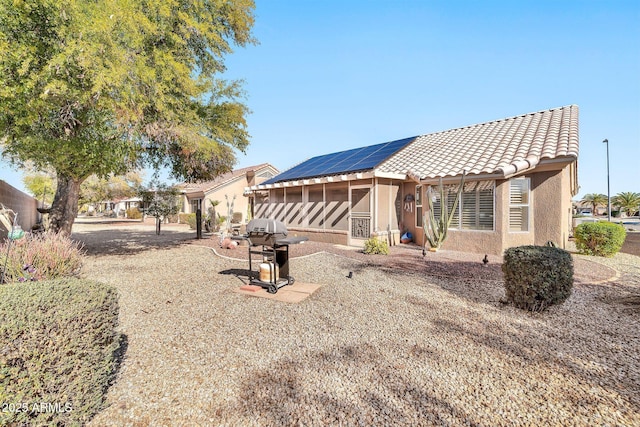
22	203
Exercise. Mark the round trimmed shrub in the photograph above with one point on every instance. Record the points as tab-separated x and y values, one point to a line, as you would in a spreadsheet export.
536	277
599	238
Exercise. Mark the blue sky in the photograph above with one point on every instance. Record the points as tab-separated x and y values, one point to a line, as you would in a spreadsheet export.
332	75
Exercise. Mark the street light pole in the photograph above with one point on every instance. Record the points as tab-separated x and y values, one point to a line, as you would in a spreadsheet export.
606	141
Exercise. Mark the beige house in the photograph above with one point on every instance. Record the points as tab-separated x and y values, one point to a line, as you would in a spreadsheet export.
229	186
521	173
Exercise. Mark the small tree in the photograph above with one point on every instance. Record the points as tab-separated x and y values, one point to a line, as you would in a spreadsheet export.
41	185
627	201
435	229
160	201
594	200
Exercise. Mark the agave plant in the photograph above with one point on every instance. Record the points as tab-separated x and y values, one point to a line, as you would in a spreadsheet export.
435	229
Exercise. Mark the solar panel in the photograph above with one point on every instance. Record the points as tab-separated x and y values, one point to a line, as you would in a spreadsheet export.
354	160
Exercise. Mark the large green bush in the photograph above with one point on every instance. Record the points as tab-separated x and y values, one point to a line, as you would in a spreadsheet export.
58	351
536	277
599	238
376	246
41	256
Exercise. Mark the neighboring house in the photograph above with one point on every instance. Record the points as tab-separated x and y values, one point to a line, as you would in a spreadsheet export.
121	206
521	173
231	185
117	206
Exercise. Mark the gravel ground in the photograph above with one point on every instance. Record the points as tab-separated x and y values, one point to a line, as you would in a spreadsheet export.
406	341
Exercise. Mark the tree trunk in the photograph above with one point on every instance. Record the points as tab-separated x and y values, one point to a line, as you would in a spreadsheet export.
158	225
64	208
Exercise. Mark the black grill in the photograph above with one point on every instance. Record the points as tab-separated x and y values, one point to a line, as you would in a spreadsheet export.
267	232
269	238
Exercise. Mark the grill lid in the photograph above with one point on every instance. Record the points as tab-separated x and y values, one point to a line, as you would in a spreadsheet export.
266	226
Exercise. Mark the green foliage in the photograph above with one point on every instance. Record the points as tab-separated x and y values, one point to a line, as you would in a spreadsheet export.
536	277
191	220
375	246
160	201
41	185
41	256
107	86
97	189
435	230
59	346
594	200
183	218
599	238
628	202
134	213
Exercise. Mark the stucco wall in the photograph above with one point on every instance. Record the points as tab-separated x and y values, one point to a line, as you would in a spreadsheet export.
20	202
550	217
336	237
240	204
553	207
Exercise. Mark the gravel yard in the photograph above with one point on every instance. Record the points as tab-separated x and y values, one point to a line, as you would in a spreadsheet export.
406	341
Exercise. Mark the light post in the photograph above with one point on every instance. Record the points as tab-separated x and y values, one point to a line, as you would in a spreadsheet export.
606	141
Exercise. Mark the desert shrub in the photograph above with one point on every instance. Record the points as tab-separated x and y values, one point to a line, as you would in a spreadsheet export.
536	277
191	220
41	256
60	350
376	246
183	218
133	213
599	238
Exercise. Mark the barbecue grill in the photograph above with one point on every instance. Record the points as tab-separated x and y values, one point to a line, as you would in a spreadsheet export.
268	238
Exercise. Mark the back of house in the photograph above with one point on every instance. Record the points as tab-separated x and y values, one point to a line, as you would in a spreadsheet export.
520	174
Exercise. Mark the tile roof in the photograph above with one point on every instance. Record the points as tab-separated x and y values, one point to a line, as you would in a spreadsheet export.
507	146
221	179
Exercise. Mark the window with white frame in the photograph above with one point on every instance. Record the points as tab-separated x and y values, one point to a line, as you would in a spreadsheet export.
519	204
418	205
475	206
195	205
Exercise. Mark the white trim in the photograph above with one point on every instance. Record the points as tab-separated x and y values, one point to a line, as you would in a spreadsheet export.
391	175
528	205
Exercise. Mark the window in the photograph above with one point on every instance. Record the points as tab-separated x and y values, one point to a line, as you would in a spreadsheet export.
519	204
475	206
195	205
418	205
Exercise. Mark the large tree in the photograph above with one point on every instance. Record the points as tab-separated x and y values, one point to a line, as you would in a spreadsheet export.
101	87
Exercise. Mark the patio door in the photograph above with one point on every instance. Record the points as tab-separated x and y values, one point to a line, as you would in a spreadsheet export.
360	224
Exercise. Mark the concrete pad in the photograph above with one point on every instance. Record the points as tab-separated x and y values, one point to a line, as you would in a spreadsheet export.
347	248
292	293
250	288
